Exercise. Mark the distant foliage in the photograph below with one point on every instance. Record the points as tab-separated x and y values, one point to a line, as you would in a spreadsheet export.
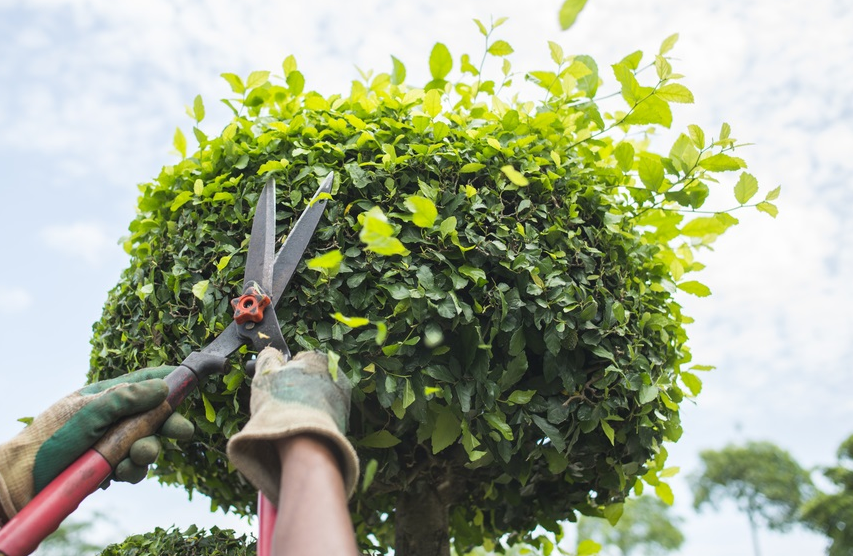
192	542
496	275
832	513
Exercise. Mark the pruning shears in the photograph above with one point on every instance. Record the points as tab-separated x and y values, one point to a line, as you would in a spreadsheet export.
266	277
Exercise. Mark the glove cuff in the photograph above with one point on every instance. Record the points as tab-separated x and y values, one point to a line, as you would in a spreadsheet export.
253	453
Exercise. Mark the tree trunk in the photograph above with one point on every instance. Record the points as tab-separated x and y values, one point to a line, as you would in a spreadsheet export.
421	521
754	528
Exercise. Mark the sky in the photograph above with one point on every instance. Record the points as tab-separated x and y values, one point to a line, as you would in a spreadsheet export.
91	92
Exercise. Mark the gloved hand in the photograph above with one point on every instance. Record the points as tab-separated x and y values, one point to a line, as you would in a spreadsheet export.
296	397
57	437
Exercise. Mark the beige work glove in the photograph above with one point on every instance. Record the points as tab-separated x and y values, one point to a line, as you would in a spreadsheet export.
57	437
290	398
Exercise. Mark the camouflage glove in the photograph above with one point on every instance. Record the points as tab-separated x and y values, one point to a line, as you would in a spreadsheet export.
296	397
57	437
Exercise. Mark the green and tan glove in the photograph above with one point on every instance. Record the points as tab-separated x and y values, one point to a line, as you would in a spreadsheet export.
297	397
57	437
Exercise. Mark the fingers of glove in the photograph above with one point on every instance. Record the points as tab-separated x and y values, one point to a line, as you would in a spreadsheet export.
144	451
136	376
177	427
269	360
126	399
128	472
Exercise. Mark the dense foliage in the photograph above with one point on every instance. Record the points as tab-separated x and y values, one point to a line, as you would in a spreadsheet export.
496	276
831	513
192	542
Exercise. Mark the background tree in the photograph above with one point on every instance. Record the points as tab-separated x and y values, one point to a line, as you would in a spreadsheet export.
495	276
761	478
645	528
832	513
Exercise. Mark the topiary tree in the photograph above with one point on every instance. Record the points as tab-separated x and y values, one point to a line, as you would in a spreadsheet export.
495	275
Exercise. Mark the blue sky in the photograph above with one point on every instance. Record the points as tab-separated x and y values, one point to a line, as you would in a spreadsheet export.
91	92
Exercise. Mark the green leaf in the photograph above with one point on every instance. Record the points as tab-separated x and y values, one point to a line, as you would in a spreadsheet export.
608	432
500	48
695	288
521	397
693	382
352	322
235	82
198	109
514	176
725	131
624	154
180	142
423	211
273	166
481	27
379	439
377	234
440	61
448	226
697	136
334	360
223	262
648	393
471	167
556	52
667	45
198	187
569	12
709	225
200	288
257	78
295	82
369	474
651	110
769	208
612	513
408	394
588	547
552	432
773	195
497	421
432	102
631	90
664	492
650	169
675	92
398	73
447	430
26	420
209	412
330	261
746	188
475	274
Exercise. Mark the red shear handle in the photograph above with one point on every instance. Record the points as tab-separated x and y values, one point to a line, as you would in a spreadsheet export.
43	515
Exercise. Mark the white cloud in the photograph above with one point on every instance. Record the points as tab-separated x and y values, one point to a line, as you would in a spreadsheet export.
83	240
14	300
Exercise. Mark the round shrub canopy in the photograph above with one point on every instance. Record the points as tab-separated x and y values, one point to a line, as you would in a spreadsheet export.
495	276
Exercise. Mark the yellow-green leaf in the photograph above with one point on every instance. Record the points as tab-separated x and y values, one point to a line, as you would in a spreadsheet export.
198	187
500	48
236	83
650	169
432	102
198	108
180	142
440	61
769	208
369	473
329	261
209	412
514	175
379	439
693	382
695	288
471	167
608	432
257	78
675	92
556	52
668	43
746	188
447	429
773	195
569	12
200	288
664	492
352	322
588	547
423	211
